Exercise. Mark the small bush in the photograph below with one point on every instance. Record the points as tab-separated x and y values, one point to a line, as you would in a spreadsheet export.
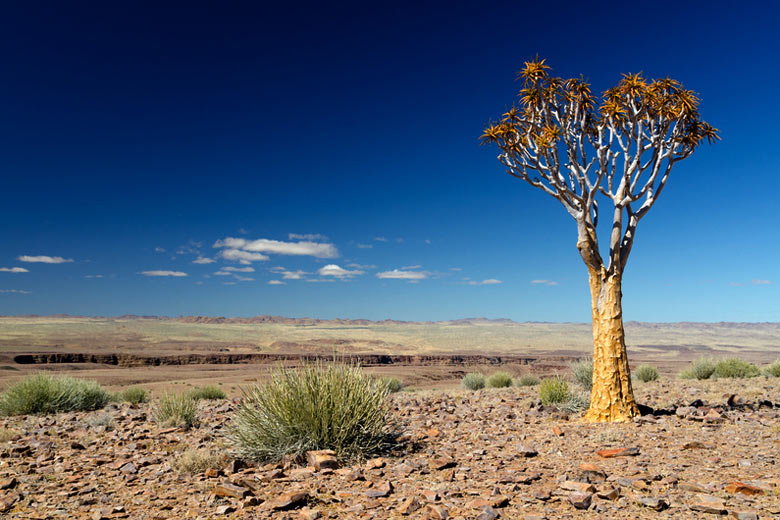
209	393
102	419
735	368
175	410
393	384
554	391
773	369
473	381
583	372
314	407
134	395
574	403
499	380
194	461
702	368
44	394
7	434
646	373
527	380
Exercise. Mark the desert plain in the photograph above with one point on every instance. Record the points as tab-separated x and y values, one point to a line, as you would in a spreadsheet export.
701	449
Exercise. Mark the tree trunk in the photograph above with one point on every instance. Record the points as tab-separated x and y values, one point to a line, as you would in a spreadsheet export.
612	398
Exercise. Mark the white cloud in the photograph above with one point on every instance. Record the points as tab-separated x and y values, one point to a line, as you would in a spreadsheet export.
14	270
44	259
14	291
159	249
243	231
163	273
361	266
455	269
337	272
223	273
365	246
243	278
380	239
275	282
264	245
411	267
228	283
238	269
398	274
761	282
315	236
203	260
243	257
93	276
544	282
427	241
293	275
489	281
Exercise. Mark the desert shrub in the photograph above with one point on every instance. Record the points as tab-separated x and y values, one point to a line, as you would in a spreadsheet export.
192	461
393	384
7	434
316	406
646	373
473	381
175	410
583	372
554	390
735	368
499	380
101	419
208	393
527	380
772	369
575	402
134	395
702	368
45	394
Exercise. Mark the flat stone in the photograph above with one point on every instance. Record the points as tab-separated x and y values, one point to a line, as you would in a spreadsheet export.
580	500
309	514
409	506
225	509
382	490
322	459
659	504
129	469
744	515
436	512
618	452
707	504
526	451
745	489
488	513
289	500
8	501
8	483
227	489
441	463
608	493
582	487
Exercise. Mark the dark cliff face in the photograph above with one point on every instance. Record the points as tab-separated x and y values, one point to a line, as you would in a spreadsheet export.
130	360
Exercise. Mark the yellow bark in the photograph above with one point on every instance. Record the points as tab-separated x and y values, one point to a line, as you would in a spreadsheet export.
612	397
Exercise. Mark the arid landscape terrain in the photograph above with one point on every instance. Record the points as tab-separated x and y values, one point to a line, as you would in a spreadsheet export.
700	449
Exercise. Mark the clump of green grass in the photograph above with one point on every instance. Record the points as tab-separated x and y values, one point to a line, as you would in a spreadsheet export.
133	395
583	372
175	410
209	393
527	380
499	380
646	373
7	434
393	384
194	461
473	381
313	407
701	368
772	369
42	394
554	391
735	368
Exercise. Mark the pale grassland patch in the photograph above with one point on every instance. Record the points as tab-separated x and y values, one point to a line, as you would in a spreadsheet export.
193	461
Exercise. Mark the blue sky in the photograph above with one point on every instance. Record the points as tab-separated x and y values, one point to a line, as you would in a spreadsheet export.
136	138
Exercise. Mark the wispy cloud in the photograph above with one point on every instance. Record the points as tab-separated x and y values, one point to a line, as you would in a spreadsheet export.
365	246
15	291
411	267
13	270
203	260
43	259
455	269
244	257
756	281
275	282
380	239
289	275
309	236
243	278
489	281
544	282
159	249
163	273
361	266
93	276
264	245
400	274
230	268
338	272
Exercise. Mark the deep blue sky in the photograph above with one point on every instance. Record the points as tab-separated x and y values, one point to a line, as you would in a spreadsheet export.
130	128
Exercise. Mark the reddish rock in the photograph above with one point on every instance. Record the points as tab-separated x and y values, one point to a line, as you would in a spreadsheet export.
659	504
438	512
290	500
409	506
745	489
8	501
580	500
618	452
380	490
440	463
231	490
582	487
707	504
322	459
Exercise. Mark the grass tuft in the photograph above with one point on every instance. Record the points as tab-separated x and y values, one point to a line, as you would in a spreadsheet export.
499	380
194	461
701	368
314	407
209	393
473	381
42	394
646	373
393	384
735	368
554	391
134	395
175	410
583	372
527	380
772	369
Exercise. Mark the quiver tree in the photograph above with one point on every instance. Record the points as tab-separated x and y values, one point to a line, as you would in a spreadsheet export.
619	148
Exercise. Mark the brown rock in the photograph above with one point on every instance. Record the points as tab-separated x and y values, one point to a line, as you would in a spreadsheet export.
745	489
659	504
8	501
322	459
235	466
441	463
618	452
409	506
582	487
129	469
227	489
580	500
526	451
707	504
430	495
8	483
225	509
488	513
744	515
607	492
438	512
288	500
381	490
211	473
309	514
376	463
557	431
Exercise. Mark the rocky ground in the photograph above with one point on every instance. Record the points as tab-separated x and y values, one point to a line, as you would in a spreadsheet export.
710	449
